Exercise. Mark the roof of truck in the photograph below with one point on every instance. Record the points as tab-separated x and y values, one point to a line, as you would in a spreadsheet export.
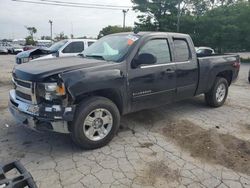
148	33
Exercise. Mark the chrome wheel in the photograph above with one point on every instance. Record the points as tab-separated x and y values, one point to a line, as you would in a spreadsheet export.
98	124
221	92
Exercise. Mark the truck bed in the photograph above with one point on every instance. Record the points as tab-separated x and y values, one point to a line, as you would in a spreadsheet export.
211	65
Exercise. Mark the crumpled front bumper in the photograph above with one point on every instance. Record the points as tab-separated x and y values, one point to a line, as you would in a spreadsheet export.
42	117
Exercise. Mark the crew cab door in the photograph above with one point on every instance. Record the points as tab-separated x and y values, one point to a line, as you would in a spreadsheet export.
186	68
72	49
152	85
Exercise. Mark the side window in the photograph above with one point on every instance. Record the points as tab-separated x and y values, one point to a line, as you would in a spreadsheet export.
159	48
208	52
74	47
90	43
182	52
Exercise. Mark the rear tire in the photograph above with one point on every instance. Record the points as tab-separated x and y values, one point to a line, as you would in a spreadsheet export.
96	122
217	96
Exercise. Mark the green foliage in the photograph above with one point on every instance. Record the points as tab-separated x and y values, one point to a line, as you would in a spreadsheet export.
156	14
29	40
225	28
221	24
113	29
84	37
45	38
61	36
31	30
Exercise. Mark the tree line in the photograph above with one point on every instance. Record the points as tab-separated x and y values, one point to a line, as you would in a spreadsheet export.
221	24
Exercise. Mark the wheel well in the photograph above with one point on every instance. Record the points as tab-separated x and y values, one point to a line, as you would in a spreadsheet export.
111	94
228	75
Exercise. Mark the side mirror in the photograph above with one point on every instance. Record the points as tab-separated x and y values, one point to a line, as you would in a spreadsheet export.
144	59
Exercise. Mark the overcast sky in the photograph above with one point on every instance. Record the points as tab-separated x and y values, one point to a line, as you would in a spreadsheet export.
14	16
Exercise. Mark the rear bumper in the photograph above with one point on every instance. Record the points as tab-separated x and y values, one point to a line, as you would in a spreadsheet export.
41	117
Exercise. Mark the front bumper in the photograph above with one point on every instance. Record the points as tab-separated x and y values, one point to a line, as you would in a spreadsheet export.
42	117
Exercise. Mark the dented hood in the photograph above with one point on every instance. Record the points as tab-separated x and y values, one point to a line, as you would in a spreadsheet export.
41	69
33	52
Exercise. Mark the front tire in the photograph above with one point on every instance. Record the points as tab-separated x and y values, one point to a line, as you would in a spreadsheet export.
217	96
96	122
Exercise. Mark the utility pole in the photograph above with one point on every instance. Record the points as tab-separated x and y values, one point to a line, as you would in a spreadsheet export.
124	16
179	16
50	22
72	32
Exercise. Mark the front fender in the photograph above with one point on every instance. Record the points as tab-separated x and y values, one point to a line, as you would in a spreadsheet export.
81	81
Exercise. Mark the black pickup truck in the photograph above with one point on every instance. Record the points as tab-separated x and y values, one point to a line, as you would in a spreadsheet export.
119	74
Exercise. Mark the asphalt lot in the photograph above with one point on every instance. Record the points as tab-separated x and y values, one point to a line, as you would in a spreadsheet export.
185	144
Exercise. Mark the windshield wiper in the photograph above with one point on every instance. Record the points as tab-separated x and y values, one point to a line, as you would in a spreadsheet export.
96	56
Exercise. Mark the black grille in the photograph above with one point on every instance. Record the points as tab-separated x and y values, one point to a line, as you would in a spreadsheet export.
24	84
23	95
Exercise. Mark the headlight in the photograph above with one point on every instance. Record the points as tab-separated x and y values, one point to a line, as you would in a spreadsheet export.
54	90
25	60
50	87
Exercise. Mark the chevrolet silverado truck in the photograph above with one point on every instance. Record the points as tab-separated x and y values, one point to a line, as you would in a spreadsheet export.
121	73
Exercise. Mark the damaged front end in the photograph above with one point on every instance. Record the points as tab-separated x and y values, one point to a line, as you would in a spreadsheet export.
42	105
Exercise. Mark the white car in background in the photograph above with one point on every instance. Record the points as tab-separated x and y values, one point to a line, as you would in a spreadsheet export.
12	48
63	48
69	47
204	50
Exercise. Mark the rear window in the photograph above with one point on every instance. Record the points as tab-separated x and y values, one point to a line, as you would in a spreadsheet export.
182	51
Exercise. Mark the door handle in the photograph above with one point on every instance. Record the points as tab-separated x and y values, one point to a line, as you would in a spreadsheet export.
170	71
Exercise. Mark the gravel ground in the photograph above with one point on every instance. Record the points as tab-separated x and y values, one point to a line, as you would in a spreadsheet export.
185	144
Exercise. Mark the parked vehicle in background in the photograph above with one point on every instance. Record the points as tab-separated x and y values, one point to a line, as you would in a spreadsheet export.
28	47
71	47
15	49
63	48
204	50
119	74
44	43
3	50
19	42
7	45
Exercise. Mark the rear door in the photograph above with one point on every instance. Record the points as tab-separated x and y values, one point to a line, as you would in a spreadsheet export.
186	68
153	85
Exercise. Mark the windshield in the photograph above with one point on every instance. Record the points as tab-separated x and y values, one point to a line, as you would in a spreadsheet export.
55	47
111	48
